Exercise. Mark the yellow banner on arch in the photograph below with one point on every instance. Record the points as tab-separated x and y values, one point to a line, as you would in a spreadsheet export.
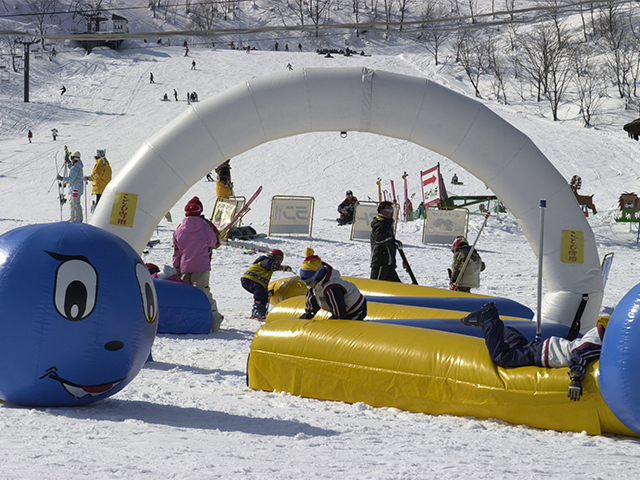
572	247
123	211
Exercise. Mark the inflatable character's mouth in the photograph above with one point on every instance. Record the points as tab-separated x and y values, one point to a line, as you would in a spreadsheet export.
80	391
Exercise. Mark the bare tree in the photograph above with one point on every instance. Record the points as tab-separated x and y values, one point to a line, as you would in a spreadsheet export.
560	71
496	66
153	5
431	37
41	11
90	11
317	11
356	13
535	58
403	7
472	58
388	11
203	15
590	83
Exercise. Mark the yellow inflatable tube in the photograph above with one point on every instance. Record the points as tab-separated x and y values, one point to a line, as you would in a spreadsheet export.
419	370
292	287
295	306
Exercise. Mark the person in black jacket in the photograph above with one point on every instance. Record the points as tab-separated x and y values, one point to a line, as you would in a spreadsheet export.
384	244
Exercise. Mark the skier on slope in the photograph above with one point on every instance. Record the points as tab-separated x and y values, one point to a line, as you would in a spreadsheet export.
471	276
257	277
100	176
329	292
76	187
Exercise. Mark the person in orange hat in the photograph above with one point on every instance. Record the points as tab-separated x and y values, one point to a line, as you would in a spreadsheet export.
328	291
193	242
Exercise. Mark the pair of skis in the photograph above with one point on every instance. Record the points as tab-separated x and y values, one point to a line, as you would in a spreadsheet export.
222	233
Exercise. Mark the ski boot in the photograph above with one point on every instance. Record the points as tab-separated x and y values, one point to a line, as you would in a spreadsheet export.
259	311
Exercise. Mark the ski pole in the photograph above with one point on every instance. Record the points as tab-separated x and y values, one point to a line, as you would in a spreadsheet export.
57	173
468	259
86	210
405	263
543	206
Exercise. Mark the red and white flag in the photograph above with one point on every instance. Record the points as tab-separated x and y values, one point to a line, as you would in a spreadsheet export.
431	186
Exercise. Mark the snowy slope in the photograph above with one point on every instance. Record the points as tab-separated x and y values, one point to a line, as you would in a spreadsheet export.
189	414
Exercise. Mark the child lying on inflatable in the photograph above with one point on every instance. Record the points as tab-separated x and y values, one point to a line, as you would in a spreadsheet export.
509	348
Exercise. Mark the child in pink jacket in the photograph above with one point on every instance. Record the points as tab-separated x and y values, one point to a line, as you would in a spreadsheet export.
193	241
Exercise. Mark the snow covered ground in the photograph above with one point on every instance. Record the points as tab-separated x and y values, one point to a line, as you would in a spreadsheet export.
190	414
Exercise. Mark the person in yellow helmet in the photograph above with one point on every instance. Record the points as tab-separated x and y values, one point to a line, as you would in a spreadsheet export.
100	176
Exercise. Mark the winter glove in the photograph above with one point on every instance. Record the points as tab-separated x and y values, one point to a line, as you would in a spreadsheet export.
85	178
575	387
286	268
59	177
452	286
399	244
307	315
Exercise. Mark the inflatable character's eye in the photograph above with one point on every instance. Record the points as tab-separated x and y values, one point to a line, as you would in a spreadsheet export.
148	292
76	289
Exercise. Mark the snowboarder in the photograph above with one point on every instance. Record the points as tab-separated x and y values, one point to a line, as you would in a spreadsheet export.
193	65
224	185
471	276
76	188
328	291
257	277
346	209
384	244
509	348
151	78
193	241
62	90
165	98
54	133
175	94
100	176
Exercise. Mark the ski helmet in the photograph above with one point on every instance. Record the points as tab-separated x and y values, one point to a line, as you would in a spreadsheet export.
460	240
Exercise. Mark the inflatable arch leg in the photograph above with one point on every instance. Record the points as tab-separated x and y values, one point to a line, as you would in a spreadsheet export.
359	99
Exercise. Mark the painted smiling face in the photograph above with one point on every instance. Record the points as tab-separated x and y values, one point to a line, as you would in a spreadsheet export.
78	314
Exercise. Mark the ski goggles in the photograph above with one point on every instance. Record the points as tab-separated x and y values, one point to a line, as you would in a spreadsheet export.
312	279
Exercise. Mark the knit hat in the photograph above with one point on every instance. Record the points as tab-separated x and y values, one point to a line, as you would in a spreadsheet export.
312	268
75	155
194	208
153	268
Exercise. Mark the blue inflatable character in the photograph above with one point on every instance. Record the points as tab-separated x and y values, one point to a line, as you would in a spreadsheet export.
78	314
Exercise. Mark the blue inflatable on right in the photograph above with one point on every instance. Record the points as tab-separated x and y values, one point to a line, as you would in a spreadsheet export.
620	361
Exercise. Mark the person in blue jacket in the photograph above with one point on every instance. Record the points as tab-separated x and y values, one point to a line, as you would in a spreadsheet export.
509	348
257	277
76	186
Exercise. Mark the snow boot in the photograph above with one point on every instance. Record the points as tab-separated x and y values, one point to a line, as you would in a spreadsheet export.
259	311
478	317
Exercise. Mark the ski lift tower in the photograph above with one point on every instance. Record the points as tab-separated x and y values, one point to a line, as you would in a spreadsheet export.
26	45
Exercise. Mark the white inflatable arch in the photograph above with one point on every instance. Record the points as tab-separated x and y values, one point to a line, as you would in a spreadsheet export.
360	99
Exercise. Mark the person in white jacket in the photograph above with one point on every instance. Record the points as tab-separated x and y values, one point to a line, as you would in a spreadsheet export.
509	348
329	292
